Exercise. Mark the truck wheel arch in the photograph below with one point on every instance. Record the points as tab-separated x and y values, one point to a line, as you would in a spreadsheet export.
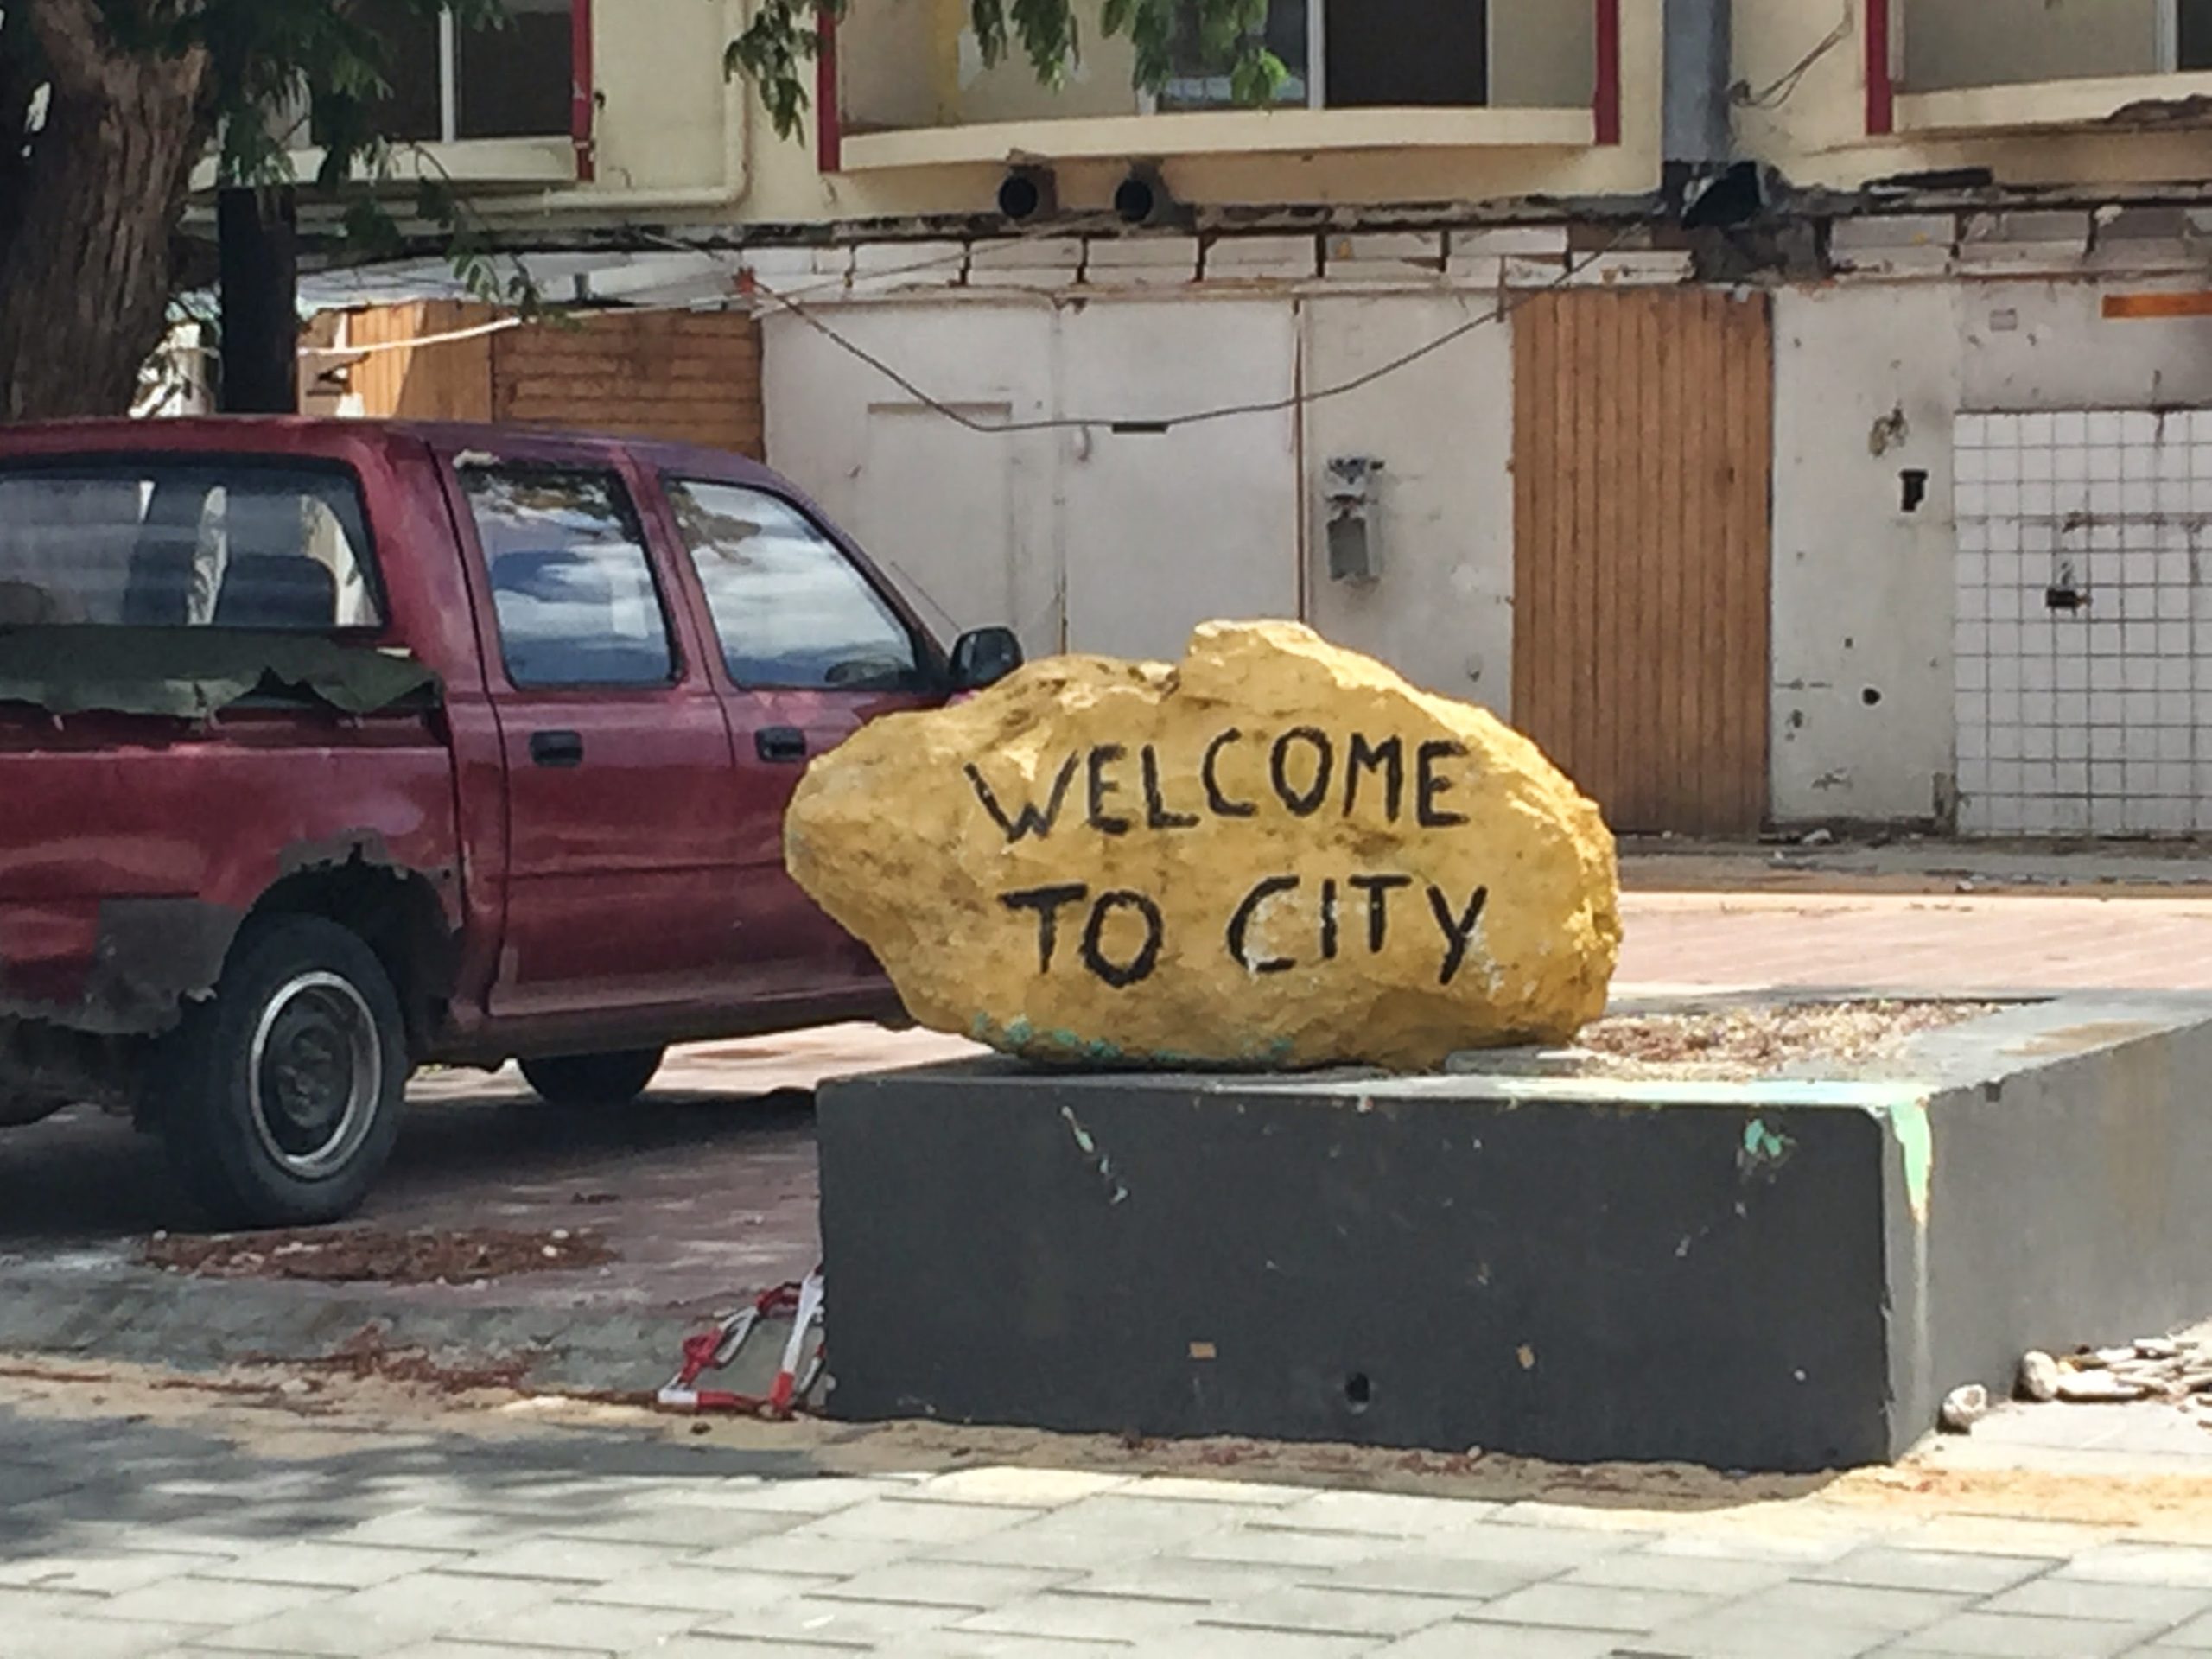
397	914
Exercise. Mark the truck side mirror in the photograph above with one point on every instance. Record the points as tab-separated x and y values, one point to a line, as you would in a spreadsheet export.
984	658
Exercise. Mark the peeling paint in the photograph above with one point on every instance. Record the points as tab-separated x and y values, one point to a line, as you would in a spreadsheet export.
1117	1191
1764	1149
1908	1120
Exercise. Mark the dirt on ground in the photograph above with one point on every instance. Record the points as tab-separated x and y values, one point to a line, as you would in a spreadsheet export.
367	1255
1743	1043
277	1412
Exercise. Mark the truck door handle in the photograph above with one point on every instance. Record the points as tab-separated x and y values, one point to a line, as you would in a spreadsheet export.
779	744
556	749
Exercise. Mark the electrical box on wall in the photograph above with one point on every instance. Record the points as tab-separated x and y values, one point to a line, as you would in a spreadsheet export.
1352	514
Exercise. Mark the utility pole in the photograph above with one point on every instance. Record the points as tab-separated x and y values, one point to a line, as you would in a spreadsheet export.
257	231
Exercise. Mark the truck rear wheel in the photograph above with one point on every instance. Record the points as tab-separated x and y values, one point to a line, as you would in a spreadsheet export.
593	1079
287	1085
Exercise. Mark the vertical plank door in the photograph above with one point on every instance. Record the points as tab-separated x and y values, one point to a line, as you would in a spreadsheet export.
1643	456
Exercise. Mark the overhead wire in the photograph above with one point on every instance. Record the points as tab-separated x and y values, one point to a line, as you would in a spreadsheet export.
1505	307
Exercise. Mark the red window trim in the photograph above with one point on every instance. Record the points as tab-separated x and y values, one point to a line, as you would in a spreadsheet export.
829	120
1881	91
1606	106
583	93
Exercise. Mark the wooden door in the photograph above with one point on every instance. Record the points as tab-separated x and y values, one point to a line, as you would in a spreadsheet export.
1643	454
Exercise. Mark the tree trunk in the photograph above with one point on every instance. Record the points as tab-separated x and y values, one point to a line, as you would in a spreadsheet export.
86	220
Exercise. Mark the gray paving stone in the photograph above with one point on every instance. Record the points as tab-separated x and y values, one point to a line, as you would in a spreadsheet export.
1389	1515
1472	1639
193	1600
577	1561
1594	1607
742	1647
1280	1546
1887	1566
1558	1549
1742	1545
1866	1606
1092	1618
1701	1575
2130	1604
924	1525
685	1586
1734	1633
2026	1636
448	1649
375	1621
1206	1583
105	1573
1325	1610
677	1526
978	1644
817	1559
1214	1641
52	1636
589	1625
1099	1532
815	1618
2174	1565
334	1566
947	1584
1182	1489
426	1527
1444	1576
2195	1636
1042	1489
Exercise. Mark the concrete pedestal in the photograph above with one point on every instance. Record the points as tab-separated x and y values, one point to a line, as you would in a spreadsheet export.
1785	1276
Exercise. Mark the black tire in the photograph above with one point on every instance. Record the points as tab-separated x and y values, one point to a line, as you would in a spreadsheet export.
577	1080
286	1087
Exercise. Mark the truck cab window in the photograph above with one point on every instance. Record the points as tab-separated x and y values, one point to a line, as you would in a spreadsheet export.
791	610
571	581
154	544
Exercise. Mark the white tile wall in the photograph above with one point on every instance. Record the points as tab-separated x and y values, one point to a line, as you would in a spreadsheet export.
2083	721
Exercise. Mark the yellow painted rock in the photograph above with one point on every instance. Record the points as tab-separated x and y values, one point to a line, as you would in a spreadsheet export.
1277	854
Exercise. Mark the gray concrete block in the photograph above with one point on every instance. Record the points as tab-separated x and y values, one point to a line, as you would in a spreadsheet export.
585	1624
1089	1618
193	1600
1327	1610
699	1588
1472	1639
377	1622
1864	1606
1444	1576
1890	1567
579	1560
1701	1575
330	1566
100	1573
1594	1607
925	1525
947	1584
44	1635
2159	1564
1736	1633
2146	1604
2025	1635
814	1618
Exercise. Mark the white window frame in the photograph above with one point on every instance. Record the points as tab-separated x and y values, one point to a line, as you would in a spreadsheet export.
2166	45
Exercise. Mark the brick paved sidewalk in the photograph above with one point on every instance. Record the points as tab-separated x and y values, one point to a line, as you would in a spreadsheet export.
126	1538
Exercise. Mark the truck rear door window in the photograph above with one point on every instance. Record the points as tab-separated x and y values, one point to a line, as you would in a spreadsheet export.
141	542
791	610
571	580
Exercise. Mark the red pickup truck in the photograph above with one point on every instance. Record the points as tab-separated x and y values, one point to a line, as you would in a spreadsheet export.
330	748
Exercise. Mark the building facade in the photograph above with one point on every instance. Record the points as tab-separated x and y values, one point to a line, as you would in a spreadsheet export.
1789	413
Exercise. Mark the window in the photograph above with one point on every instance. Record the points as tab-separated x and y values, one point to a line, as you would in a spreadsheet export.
1944	45
449	83
130	543
571	582
1371	53
791	608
